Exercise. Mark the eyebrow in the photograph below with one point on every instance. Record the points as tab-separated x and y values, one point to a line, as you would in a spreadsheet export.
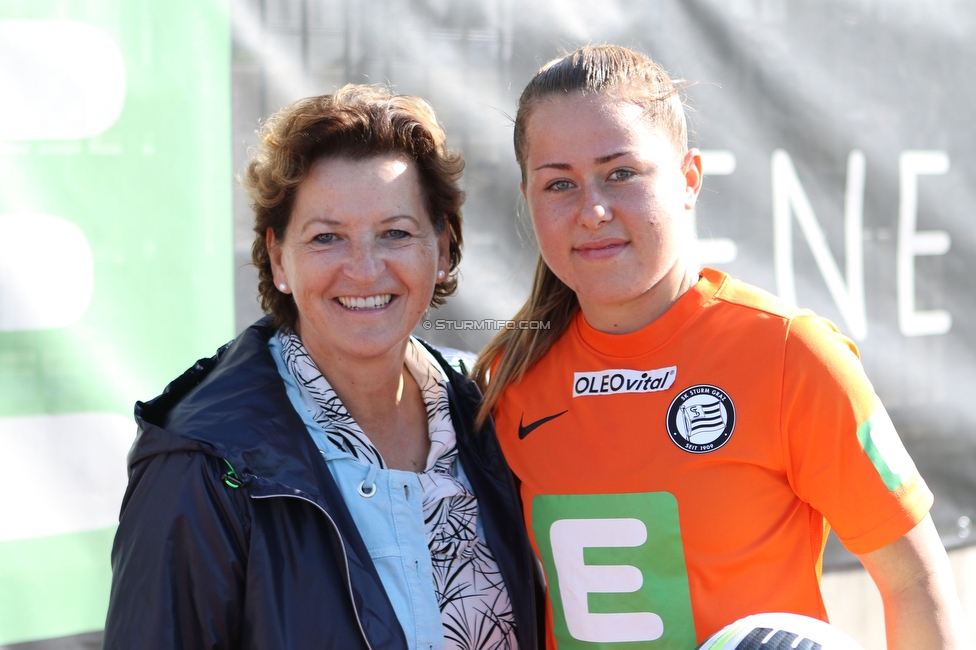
325	220
338	222
602	160
395	217
605	159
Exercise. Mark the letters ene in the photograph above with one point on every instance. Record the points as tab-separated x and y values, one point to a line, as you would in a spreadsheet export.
576	579
912	243
788	192
790	197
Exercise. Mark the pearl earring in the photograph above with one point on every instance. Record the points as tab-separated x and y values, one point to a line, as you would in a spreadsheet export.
441	275
283	287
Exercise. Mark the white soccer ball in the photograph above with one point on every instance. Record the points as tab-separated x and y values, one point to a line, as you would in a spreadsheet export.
779	631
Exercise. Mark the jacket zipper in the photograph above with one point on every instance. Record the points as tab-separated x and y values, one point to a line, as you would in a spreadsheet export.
345	557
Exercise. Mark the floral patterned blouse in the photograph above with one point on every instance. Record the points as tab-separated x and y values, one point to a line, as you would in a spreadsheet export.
474	603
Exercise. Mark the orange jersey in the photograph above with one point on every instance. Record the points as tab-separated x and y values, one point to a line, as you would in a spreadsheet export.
681	477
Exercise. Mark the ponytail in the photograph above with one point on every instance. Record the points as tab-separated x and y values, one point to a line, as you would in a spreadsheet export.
516	350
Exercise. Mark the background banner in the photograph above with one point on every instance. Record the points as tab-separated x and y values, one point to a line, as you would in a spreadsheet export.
839	157
838	151
115	270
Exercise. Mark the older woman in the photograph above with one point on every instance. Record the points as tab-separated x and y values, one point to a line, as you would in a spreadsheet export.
319	482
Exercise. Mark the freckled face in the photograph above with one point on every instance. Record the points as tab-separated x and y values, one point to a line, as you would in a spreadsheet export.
610	200
360	256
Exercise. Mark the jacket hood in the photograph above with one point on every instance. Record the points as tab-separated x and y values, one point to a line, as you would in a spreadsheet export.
233	406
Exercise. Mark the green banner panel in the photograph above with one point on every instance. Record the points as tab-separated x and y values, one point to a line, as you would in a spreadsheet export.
54	586
116	269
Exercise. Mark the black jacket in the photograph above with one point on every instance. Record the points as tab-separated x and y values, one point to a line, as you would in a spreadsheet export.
233	533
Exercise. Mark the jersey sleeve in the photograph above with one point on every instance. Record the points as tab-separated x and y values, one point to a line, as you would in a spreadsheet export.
842	452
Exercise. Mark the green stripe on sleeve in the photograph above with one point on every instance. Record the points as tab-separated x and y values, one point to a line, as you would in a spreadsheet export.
881	443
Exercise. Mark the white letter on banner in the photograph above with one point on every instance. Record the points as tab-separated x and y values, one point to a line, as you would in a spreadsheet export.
789	197
912	243
47	276
576	579
61	80
35	447
712	250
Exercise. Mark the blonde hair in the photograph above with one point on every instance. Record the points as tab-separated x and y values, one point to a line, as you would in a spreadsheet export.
611	70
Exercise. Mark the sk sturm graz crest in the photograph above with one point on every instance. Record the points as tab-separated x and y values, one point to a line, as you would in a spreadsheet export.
701	419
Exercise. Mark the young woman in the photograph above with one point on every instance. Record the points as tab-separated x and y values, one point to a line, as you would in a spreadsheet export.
682	438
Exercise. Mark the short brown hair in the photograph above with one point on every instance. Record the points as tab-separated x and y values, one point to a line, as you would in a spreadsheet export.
355	122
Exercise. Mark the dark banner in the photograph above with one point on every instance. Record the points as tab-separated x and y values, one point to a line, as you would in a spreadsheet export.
839	164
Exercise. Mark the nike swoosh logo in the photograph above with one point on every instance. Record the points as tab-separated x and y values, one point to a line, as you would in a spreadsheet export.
525	430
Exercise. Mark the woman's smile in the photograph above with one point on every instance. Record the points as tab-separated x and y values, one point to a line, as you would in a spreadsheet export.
600	249
369	302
